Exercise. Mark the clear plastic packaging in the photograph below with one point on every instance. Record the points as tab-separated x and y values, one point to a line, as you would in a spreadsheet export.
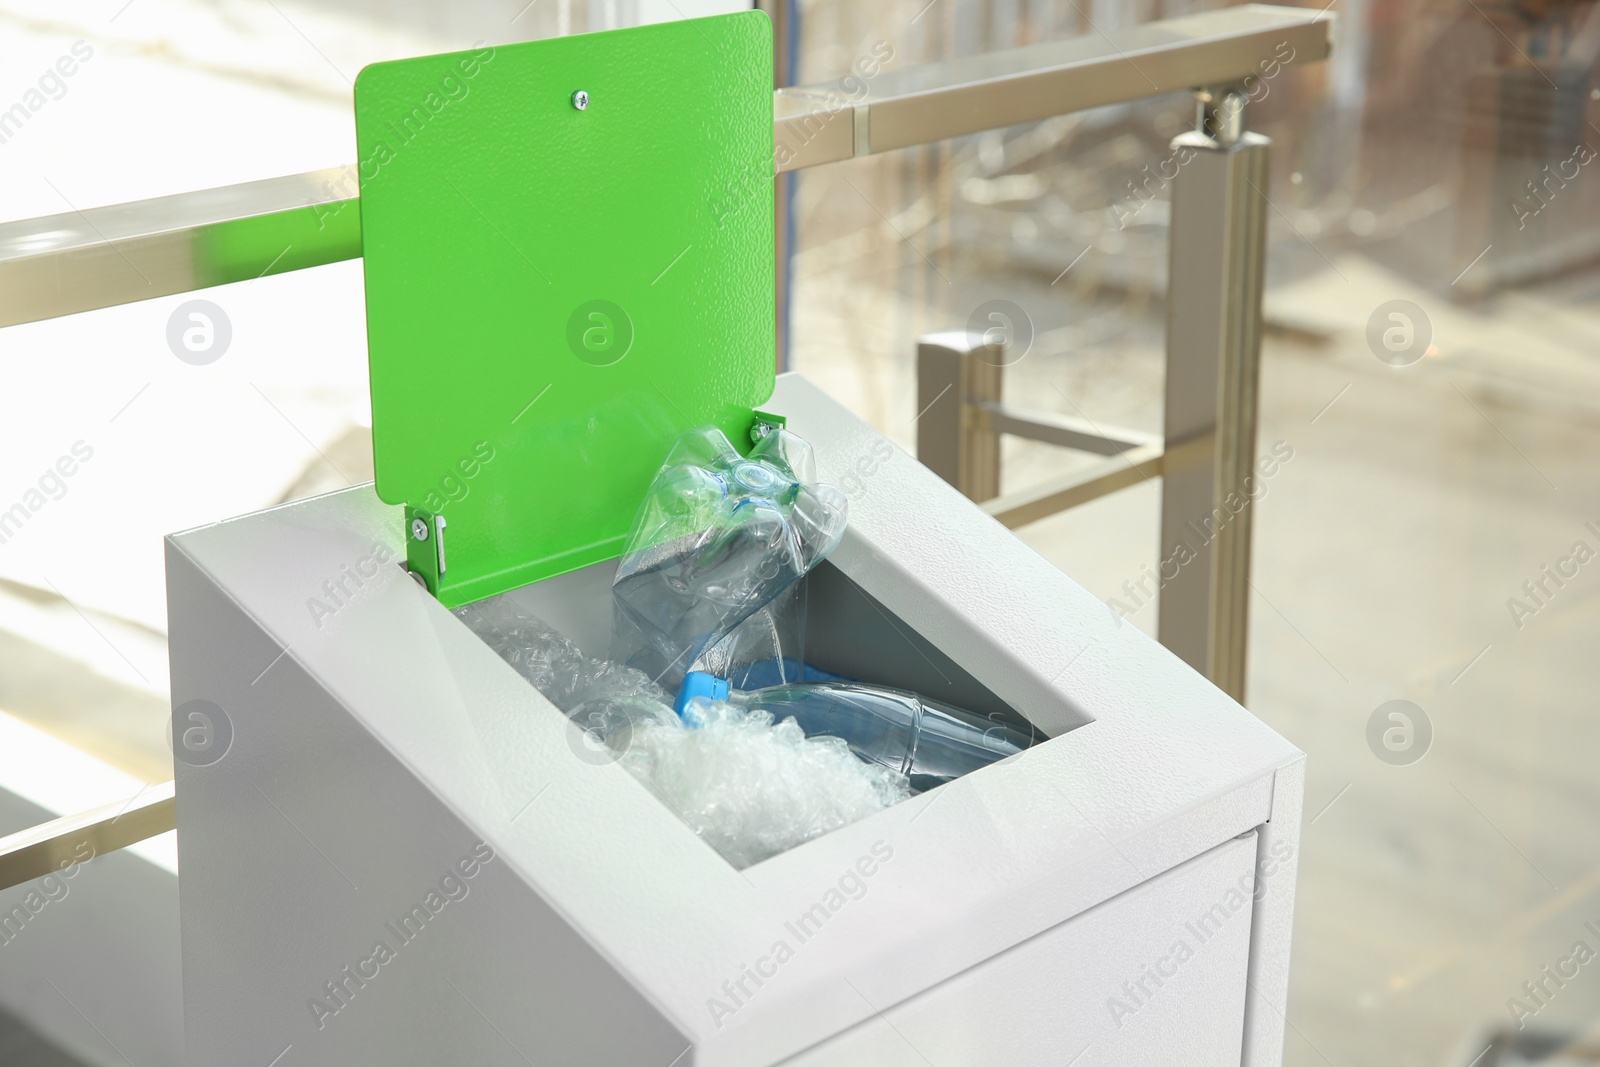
718	538
753	787
549	661
552	663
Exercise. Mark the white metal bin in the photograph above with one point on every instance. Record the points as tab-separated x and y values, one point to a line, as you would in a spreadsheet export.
1121	893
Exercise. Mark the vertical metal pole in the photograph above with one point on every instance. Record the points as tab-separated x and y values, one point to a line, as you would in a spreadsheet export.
954	376
785	57
1218	245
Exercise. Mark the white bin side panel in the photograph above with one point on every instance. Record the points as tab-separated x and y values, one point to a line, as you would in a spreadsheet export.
308	845
1073	995
1278	861
387	731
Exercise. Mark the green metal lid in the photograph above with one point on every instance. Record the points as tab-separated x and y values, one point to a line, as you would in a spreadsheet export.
559	284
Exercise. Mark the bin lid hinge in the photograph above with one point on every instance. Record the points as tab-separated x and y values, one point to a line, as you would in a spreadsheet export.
425	547
765	422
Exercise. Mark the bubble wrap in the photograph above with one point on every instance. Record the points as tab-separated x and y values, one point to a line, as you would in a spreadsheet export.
751	787
553	664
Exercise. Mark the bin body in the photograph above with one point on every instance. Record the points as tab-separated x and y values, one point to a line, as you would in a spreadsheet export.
407	855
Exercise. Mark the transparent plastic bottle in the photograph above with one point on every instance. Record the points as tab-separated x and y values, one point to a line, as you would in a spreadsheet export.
929	741
718	538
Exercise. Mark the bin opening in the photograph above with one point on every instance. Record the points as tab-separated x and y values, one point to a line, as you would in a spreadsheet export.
755	775
848	634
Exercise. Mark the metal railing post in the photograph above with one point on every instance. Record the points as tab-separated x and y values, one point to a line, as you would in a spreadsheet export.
1218	246
955	439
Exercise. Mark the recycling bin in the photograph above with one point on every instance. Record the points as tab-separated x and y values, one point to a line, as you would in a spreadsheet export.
396	851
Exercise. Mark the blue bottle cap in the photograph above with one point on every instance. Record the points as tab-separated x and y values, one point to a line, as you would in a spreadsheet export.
699	684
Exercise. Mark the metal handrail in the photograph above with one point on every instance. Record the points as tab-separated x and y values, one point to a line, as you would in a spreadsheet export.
60	844
102	257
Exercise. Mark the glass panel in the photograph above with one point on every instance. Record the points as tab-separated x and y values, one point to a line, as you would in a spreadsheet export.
1432	313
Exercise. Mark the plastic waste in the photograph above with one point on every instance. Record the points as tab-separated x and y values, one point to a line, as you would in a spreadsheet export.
752	786
718	538
927	740
710	582
551	662
547	659
767	648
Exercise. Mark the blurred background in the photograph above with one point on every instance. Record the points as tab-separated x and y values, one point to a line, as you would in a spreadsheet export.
1442	156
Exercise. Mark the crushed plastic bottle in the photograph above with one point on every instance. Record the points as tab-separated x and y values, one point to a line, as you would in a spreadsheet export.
767	648
927	740
718	538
